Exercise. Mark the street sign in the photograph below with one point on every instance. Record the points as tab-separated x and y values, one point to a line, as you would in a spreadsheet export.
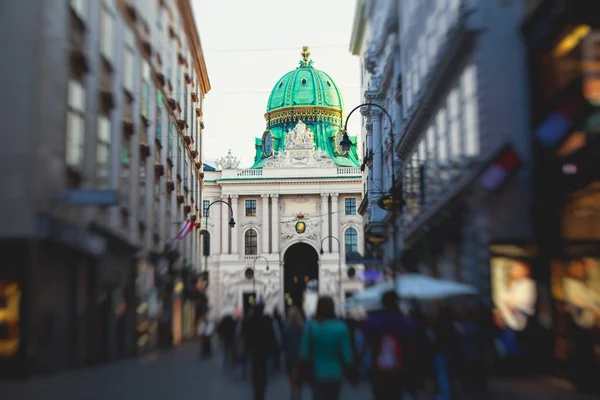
88	197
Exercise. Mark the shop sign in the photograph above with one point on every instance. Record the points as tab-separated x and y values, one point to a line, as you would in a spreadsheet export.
388	202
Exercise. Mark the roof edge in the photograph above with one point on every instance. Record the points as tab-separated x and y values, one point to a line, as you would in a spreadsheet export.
192	31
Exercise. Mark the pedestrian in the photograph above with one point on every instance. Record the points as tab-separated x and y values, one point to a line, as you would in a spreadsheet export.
226	331
205	330
444	338
326	348
392	339
260	340
292	339
278	327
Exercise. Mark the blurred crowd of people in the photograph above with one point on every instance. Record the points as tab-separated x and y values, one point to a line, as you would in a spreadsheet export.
445	350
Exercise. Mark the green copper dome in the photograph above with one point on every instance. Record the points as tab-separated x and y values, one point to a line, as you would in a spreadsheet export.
309	95
305	86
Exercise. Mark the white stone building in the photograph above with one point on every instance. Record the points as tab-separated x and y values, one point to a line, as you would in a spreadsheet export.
300	197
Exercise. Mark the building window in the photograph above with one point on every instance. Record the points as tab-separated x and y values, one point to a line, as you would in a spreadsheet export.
179	156
471	129
442	147
145	89
186	170
129	61
142	193
250	208
170	141
250	243
107	38
351	241
103	152
350	204
431	165
205	209
75	137
185	103
159	124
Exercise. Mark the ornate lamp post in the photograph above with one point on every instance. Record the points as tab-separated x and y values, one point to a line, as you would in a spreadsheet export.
388	201
339	263
205	241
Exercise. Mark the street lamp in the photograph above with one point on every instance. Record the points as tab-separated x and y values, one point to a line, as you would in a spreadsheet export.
339	262
205	241
345	143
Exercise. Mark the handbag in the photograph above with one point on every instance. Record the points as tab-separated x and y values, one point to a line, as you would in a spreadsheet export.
307	366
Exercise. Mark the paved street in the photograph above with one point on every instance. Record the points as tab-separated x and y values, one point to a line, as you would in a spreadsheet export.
178	375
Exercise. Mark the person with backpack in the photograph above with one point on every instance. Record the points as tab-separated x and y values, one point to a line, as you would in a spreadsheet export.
390	335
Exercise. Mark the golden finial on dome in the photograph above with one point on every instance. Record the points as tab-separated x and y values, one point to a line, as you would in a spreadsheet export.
305	55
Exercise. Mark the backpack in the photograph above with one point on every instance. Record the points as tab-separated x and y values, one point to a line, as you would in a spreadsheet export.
388	355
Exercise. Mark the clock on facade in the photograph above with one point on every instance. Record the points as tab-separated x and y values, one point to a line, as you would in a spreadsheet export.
267	140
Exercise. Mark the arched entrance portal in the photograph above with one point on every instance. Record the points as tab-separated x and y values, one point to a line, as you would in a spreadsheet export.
300	265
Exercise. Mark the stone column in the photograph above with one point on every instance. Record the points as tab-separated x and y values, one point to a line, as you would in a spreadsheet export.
224	226
324	219
378	148
234	230
276	223
335	222
264	232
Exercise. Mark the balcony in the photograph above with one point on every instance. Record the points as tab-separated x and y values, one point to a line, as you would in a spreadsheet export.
346	171
250	172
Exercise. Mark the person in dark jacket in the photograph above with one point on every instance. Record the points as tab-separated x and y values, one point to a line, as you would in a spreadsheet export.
226	332
292	339
260	339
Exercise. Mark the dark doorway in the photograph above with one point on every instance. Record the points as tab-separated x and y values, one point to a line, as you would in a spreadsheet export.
300	265
249	299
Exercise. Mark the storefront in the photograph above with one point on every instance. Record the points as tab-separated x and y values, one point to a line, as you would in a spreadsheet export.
563	39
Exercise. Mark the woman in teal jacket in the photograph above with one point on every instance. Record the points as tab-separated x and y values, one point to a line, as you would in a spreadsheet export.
326	343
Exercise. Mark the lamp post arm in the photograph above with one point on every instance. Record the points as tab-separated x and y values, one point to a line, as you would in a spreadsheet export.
369	104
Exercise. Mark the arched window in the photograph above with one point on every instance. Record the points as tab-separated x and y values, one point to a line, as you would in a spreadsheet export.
206	243
251	243
351	240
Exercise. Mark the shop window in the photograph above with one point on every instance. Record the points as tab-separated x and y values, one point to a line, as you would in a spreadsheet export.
10	299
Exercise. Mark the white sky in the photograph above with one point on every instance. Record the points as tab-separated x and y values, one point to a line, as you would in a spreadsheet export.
249	45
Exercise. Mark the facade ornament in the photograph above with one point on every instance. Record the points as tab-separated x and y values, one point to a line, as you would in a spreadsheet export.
234	197
300	151
264	196
301	137
275	196
228	162
334	196
370	61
